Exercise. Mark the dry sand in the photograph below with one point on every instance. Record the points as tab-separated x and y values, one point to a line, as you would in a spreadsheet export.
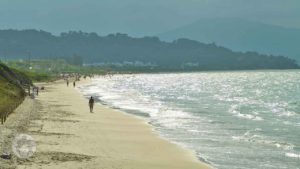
69	136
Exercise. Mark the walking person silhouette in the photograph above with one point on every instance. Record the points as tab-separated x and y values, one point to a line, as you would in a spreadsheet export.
91	104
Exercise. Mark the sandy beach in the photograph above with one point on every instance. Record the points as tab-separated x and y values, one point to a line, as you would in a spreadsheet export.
69	136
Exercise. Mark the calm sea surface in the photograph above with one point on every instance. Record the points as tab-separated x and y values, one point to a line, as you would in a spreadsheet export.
232	120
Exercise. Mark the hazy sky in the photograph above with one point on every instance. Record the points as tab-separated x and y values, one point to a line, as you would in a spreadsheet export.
139	17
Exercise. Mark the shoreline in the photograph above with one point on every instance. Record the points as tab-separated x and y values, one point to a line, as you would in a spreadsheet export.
68	136
203	71
142	118
156	132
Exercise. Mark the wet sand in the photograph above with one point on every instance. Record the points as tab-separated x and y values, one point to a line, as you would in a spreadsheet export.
69	136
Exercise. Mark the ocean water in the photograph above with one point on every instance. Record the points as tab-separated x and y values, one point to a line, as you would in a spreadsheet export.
232	120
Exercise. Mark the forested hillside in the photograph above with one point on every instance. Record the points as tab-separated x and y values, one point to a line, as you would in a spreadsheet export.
181	54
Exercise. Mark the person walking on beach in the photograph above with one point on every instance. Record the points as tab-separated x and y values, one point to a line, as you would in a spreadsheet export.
33	92
91	104
68	82
74	84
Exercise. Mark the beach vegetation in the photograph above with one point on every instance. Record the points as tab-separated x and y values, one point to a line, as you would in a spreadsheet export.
12	90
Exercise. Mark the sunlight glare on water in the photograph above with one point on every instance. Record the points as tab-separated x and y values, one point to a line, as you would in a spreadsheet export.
237	120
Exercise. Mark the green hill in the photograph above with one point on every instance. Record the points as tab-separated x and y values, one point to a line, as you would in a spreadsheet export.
11	91
121	49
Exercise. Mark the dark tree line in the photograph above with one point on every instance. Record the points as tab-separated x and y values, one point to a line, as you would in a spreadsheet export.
180	54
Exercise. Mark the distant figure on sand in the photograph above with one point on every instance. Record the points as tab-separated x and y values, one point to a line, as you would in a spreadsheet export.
91	104
33	92
67	82
74	84
37	91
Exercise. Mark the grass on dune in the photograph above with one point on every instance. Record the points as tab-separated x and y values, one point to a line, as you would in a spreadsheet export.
10	96
11	93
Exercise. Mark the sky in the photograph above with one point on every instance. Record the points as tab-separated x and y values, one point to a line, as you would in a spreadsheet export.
139	17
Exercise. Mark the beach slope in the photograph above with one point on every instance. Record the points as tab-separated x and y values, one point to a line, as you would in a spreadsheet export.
69	136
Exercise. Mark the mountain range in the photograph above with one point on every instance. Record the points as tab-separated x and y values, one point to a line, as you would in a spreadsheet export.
241	35
181	54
